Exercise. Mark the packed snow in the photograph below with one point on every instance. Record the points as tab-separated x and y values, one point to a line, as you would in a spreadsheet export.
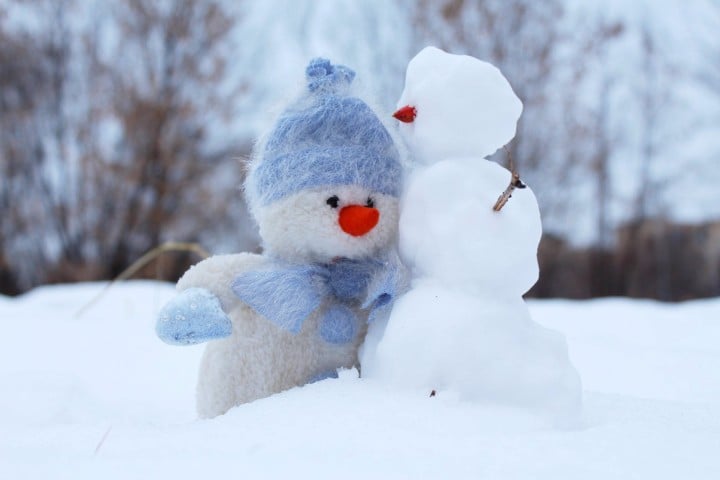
99	396
449	231
464	327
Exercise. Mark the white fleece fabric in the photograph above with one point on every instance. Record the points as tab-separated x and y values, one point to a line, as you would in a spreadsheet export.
327	151
259	358
304	228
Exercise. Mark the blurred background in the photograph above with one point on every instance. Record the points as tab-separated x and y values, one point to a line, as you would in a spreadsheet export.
124	125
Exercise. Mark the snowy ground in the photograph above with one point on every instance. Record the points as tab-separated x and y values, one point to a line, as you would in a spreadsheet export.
98	396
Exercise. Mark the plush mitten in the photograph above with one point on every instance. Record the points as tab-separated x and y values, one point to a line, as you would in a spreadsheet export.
194	316
390	282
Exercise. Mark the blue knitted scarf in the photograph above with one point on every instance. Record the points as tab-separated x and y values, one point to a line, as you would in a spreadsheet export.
287	293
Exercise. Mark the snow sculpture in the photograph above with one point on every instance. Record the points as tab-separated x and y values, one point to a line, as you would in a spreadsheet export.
464	326
324	188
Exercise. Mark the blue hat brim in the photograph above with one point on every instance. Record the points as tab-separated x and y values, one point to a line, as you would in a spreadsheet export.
287	174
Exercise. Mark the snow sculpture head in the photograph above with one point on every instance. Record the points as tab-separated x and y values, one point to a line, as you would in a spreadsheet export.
455	106
325	182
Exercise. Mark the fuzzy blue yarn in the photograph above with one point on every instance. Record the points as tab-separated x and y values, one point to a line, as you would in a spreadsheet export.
349	279
323	376
286	294
326	138
338	325
384	288
283	295
194	316
321	74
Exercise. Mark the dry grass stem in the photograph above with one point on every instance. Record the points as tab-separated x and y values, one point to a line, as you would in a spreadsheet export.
143	261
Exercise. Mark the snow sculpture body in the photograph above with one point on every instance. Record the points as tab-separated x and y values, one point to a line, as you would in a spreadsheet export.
464	326
323	187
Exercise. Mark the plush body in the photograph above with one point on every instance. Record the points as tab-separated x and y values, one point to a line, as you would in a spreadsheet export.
258	358
323	187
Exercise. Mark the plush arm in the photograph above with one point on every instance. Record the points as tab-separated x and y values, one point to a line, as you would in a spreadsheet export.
194	316
198	313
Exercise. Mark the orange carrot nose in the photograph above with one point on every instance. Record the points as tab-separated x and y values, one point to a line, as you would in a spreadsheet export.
358	220
406	114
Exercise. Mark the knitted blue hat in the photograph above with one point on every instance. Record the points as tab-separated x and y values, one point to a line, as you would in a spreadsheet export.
326	138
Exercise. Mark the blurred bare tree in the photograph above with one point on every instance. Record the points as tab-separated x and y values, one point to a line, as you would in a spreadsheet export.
163	76
24	82
523	39
119	122
573	140
106	136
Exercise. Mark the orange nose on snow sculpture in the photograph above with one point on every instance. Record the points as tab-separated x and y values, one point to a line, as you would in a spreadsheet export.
406	114
358	220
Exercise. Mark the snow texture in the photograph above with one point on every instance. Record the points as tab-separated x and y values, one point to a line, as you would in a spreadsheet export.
485	351
465	107
449	231
464	326
98	396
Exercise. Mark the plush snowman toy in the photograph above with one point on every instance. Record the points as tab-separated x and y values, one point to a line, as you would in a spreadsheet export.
463	326
323	187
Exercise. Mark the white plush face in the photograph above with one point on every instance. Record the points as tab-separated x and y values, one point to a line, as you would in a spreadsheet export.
305	227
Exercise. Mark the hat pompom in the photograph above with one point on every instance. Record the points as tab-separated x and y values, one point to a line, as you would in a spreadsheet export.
323	76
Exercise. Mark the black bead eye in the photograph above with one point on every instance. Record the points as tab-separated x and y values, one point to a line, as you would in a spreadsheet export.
333	201
370	202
